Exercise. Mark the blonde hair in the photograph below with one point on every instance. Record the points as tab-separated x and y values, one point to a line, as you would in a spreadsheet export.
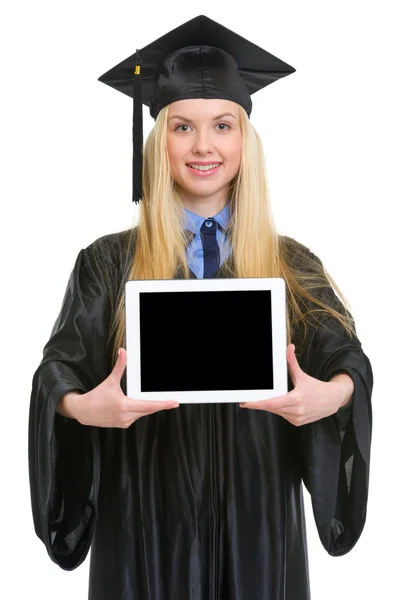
157	245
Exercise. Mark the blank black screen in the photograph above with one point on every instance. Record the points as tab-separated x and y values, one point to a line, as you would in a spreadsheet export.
209	340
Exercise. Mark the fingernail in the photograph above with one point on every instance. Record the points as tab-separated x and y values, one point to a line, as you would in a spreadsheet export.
118	353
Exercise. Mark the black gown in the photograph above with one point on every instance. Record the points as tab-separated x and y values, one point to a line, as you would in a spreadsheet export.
202	502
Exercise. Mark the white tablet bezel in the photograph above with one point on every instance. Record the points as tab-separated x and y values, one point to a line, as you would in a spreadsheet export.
132	300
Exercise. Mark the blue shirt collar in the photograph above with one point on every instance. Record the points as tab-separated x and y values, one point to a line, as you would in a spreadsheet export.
194	222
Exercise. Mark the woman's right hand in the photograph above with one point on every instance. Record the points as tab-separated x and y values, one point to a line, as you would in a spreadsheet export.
106	405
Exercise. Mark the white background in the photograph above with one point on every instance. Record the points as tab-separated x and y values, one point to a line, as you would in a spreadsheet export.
340	139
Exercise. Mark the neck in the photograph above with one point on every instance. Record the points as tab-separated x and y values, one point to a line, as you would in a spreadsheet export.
204	206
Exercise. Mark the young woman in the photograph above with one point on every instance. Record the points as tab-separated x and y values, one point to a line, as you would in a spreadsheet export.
198	502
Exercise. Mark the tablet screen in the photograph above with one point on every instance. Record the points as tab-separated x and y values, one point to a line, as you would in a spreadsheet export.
206	340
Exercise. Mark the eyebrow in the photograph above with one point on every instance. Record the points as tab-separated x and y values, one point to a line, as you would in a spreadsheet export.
190	120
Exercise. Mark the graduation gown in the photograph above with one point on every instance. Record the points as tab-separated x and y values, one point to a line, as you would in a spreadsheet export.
202	502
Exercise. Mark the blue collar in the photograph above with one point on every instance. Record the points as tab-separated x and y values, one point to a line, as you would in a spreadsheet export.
194	222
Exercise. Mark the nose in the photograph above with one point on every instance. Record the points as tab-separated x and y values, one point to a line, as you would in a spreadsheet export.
202	142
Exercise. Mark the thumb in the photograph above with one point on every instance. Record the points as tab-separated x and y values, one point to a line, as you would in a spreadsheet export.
295	370
120	365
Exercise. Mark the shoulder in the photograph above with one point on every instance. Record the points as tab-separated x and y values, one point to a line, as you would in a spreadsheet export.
105	262
298	256
113	249
311	281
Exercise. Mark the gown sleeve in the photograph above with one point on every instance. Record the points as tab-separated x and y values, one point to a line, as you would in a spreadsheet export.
335	451
64	456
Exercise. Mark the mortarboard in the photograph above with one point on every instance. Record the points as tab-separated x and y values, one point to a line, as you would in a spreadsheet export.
199	59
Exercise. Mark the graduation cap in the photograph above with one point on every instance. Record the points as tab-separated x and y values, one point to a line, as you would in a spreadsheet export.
199	59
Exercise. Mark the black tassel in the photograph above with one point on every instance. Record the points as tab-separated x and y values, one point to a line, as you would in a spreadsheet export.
137	131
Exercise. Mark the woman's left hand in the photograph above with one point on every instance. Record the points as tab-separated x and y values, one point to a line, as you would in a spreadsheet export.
309	401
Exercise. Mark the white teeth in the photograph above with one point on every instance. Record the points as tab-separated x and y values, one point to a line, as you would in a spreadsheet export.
204	167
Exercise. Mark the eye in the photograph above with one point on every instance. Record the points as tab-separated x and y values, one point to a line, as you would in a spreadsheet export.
225	125
177	128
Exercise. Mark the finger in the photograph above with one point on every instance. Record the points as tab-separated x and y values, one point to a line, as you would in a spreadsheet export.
272	404
294	368
135	416
120	366
146	406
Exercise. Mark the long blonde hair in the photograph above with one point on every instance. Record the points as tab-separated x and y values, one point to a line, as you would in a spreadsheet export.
157	244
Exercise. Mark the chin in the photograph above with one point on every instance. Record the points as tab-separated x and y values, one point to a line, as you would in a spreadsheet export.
202	187
202	191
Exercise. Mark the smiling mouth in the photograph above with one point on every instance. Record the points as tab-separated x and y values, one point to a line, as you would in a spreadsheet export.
209	167
204	171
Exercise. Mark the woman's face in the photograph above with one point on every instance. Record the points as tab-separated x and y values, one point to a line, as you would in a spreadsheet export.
202	131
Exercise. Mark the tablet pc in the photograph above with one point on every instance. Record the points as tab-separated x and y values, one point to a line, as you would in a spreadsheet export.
206	340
